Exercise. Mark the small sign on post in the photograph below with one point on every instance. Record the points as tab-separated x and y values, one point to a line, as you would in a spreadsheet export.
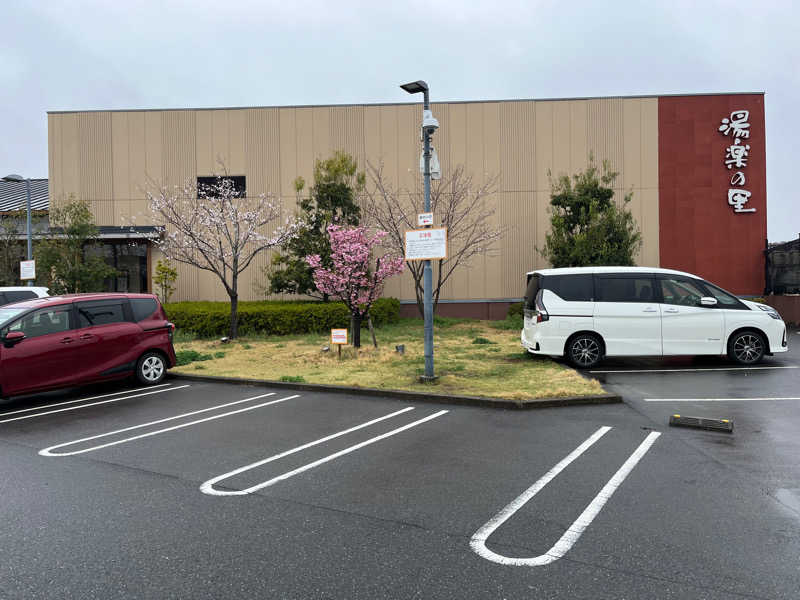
426	244
27	270
339	337
425	219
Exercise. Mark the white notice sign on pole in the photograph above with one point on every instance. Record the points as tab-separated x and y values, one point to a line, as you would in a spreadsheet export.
27	269
424	219
426	244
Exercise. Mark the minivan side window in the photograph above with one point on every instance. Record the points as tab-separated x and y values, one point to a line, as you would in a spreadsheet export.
54	319
100	313
18	296
576	288
142	308
624	289
681	291
725	299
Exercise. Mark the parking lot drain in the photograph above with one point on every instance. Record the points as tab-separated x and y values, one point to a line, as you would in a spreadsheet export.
725	425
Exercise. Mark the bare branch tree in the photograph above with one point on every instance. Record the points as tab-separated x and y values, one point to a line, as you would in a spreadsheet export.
464	208
217	229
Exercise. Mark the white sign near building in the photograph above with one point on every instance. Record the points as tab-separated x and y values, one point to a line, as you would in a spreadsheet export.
27	269
426	244
737	126
424	219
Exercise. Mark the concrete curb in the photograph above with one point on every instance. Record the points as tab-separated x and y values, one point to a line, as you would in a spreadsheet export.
412	396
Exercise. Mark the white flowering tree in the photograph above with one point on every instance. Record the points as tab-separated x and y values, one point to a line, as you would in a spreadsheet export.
216	228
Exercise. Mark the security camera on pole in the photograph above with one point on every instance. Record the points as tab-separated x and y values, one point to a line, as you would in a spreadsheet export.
429	125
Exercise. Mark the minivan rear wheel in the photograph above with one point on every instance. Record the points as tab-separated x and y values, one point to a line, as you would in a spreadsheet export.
585	350
151	368
746	347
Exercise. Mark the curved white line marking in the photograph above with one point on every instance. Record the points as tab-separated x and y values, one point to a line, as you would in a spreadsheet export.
574	532
51	412
208	486
49	451
16	412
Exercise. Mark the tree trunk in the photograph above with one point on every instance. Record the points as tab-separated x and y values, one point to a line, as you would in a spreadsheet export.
234	315
372	331
356	320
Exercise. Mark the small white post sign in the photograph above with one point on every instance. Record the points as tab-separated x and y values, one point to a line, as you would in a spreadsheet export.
424	219
426	244
339	337
27	269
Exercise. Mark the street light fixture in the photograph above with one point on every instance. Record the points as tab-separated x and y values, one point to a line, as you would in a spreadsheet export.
429	125
17	179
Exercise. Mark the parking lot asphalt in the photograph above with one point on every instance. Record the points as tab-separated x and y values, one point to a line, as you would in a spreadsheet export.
201	490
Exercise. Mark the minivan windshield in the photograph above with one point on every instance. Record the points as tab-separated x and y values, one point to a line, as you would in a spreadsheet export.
6	314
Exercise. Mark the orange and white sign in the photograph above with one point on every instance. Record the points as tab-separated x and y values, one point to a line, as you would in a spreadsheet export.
339	336
426	244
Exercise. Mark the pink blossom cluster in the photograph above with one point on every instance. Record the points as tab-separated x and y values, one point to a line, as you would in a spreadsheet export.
351	278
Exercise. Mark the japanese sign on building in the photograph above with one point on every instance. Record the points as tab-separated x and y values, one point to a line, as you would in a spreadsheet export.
737	128
426	244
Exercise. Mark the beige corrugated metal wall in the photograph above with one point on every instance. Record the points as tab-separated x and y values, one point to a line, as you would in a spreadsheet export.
108	158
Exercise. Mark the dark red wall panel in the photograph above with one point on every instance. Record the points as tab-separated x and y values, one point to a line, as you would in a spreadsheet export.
699	231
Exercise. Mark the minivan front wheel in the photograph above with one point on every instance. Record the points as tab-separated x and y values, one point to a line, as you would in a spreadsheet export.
585	350
746	347
151	368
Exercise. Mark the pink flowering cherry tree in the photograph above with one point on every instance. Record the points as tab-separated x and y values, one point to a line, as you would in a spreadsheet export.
351	277
216	228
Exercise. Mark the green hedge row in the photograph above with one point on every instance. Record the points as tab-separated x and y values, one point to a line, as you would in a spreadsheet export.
209	319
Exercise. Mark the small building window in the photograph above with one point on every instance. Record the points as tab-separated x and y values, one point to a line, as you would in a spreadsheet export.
239	183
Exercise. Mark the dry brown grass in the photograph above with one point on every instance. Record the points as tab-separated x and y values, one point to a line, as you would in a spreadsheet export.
498	369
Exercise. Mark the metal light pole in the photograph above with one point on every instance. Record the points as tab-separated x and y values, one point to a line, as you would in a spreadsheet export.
19	178
415	87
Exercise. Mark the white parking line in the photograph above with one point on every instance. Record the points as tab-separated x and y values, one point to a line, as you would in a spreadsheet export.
208	486
16	412
716	399
574	532
49	451
51	412
694	370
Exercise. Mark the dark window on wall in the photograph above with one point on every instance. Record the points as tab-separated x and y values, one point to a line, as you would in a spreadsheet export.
239	183
129	259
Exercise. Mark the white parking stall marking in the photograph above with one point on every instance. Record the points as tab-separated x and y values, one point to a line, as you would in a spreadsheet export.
49	451
16	412
694	370
52	412
717	399
574	532
208	486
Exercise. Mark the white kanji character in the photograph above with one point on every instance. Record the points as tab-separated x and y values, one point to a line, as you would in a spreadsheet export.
736	155
738	178
737	124
738	198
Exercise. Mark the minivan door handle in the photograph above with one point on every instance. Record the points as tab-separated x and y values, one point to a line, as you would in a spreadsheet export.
86	336
67	340
650	309
670	310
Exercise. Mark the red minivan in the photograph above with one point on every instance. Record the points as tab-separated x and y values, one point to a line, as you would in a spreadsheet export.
62	341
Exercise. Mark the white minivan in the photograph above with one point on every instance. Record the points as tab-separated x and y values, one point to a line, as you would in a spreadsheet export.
588	313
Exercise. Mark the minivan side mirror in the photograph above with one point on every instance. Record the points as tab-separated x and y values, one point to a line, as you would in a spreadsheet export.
708	301
13	338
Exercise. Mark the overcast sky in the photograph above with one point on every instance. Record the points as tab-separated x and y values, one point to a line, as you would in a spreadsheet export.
76	55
